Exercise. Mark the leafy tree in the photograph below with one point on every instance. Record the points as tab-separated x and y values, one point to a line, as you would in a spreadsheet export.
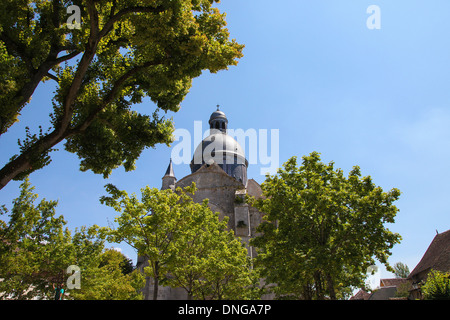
36	249
209	262
322	230
185	243
112	256
437	286
123	52
401	270
109	280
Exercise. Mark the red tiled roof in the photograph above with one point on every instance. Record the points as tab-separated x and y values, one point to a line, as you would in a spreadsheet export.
394	282
361	295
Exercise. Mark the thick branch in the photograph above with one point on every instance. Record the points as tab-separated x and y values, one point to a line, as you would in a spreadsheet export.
86	60
36	77
24	161
52	76
109	98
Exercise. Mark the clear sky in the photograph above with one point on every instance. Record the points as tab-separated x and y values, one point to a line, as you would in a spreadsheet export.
313	70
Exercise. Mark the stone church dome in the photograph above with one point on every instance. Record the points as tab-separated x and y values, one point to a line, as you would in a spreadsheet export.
217	146
222	149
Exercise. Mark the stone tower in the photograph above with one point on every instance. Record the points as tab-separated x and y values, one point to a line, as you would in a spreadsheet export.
169	181
222	149
219	170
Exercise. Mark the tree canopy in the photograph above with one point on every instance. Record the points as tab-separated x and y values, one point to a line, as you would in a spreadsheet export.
185	243
322	229
36	250
112	278
123	52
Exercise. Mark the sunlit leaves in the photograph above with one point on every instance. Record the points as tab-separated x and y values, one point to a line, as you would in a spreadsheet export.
186	244
36	248
126	51
323	230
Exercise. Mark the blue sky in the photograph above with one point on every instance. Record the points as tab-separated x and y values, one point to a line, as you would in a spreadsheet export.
312	69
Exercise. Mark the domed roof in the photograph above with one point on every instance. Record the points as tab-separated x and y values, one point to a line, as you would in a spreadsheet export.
222	149
218	120
219	147
217	114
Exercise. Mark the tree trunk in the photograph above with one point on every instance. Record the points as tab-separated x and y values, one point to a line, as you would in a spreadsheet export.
156	284
25	161
307	292
189	290
318	285
331	290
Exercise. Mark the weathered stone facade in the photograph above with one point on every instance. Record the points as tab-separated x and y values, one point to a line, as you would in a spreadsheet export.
225	184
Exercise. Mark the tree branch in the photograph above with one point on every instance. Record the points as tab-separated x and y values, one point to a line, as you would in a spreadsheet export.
139	9
24	161
52	76
36	77
68	56
109	98
85	61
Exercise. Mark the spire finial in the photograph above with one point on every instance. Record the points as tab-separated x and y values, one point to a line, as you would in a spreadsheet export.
218	107
169	171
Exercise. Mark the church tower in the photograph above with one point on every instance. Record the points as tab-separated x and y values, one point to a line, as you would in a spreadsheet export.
218	121
219	170
222	149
